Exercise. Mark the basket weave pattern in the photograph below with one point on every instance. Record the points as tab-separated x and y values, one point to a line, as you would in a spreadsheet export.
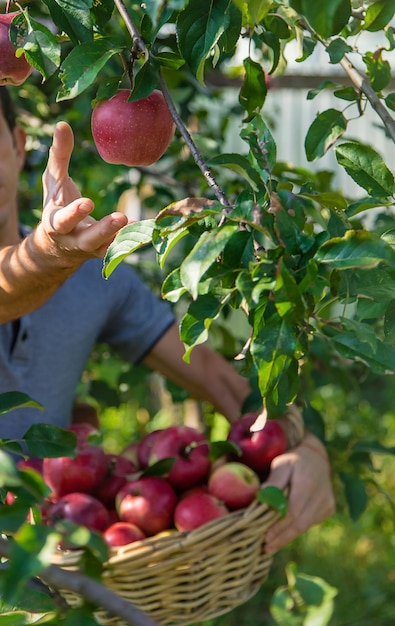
188	577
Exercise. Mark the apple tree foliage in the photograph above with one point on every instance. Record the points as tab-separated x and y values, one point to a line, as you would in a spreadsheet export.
247	232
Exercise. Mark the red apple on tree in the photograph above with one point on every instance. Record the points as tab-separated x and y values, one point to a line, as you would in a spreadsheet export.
190	451
258	448
132	133
148	502
82	509
197	509
82	473
122	533
235	484
14	70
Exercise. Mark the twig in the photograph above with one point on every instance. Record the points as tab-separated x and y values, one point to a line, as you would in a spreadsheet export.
200	162
364	86
361	83
138	41
93	591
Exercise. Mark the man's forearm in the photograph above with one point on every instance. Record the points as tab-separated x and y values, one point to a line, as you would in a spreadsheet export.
30	272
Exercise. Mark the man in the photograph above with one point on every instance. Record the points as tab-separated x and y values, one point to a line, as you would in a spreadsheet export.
54	307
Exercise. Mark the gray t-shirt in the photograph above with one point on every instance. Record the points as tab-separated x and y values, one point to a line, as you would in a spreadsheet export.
53	343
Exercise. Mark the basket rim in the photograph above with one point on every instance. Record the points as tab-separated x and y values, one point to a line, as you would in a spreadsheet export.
162	543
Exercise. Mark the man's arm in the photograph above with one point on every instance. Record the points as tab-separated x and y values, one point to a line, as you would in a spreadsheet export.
208	376
31	271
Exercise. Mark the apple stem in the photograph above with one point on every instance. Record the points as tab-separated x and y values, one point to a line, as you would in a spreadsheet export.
138	42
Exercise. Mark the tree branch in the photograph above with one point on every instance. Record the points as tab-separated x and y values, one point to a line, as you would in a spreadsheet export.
362	84
96	593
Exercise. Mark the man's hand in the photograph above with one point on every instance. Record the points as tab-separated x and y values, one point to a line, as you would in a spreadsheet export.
66	219
306	471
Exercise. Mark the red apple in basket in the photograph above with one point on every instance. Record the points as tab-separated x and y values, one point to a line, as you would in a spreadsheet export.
132	133
148	502
119	469
190	450
82	509
122	533
235	484
13	70
197	509
82	473
258	448
145	446
131	452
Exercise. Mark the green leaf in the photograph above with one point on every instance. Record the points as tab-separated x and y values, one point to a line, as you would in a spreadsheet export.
79	616
390	101
381	361
273	352
253	91
160	468
305	601
219	449
12	516
9	475
337	49
373	447
378	70
129	239
356	495
324	132
203	255
41	47
389	322
31	550
46	440
327	18
357	249
73	18
238	163
199	27
15	400
196	322
164	244
172	287
348	93
82	65
263	148
378	15
326	84
254	11
273	497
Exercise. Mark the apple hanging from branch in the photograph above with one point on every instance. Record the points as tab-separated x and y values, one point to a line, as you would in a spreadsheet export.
14	70
132	133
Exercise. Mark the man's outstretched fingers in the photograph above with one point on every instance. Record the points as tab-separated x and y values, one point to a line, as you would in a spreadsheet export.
63	220
61	150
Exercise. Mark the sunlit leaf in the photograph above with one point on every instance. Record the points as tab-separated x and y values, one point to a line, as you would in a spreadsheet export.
129	239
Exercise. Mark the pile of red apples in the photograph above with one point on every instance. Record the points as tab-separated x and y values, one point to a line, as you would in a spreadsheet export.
167	482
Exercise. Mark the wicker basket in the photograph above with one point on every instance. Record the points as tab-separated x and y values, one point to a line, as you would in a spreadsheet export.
189	577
